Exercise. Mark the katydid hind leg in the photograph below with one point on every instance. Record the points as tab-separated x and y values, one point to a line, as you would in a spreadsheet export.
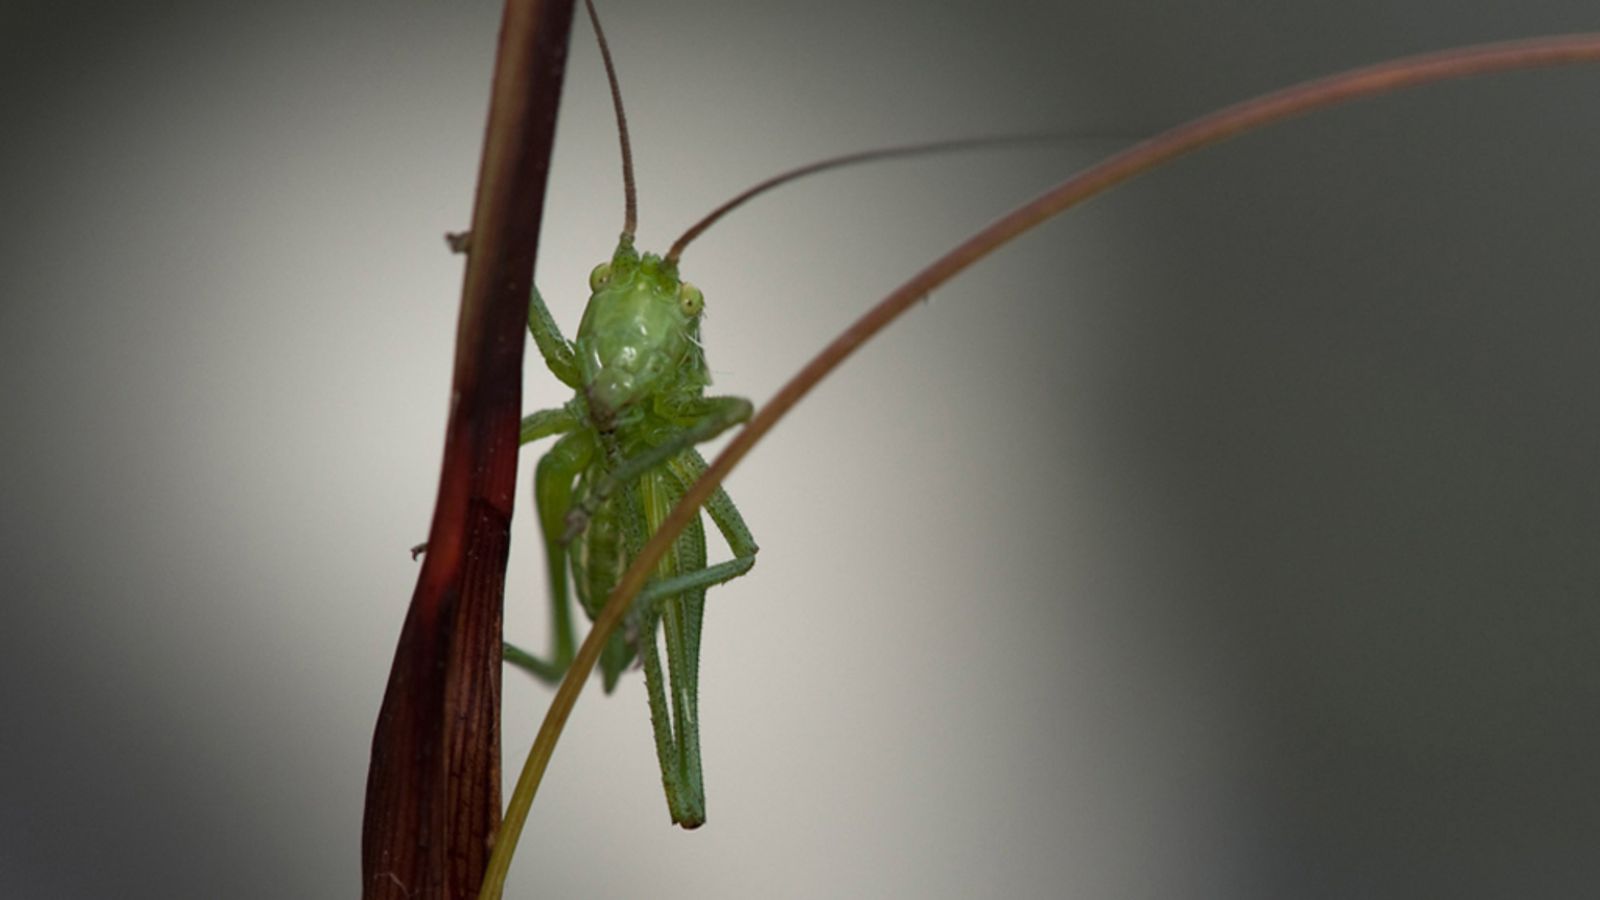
710	576
689	466
676	600
682	615
597	559
660	722
643	621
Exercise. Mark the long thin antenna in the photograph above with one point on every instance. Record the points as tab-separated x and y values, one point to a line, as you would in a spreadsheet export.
630	215
850	159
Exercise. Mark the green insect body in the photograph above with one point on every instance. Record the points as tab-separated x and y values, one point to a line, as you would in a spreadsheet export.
625	457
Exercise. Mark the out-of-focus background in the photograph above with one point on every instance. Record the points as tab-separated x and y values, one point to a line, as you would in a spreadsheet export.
1233	536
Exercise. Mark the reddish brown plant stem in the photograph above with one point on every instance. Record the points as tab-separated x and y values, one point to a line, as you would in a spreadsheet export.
433	786
1207	130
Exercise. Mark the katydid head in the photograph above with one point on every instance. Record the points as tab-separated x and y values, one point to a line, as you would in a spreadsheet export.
640	334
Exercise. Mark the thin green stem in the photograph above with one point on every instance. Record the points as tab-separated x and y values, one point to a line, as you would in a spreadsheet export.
1221	125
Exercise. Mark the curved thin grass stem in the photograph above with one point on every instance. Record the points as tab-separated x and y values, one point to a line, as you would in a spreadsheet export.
1204	131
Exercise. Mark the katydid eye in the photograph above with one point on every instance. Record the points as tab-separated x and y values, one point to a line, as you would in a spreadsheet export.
599	276
690	300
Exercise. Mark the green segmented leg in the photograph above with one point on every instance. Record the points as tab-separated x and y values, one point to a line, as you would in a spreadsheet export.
710	576
552	483
677	602
597	562
679	615
545	422
555	348
688	467
558	356
714	416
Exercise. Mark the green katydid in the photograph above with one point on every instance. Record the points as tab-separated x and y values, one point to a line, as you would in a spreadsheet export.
625	457
626	454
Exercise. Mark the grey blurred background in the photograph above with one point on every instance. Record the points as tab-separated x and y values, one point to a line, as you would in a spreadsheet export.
1233	536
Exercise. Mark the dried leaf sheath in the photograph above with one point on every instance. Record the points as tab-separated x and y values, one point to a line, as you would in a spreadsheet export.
433	797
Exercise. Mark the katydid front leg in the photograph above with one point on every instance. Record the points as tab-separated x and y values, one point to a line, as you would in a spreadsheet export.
553	346
714	415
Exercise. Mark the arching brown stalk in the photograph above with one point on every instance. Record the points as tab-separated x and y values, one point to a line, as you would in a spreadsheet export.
1221	125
